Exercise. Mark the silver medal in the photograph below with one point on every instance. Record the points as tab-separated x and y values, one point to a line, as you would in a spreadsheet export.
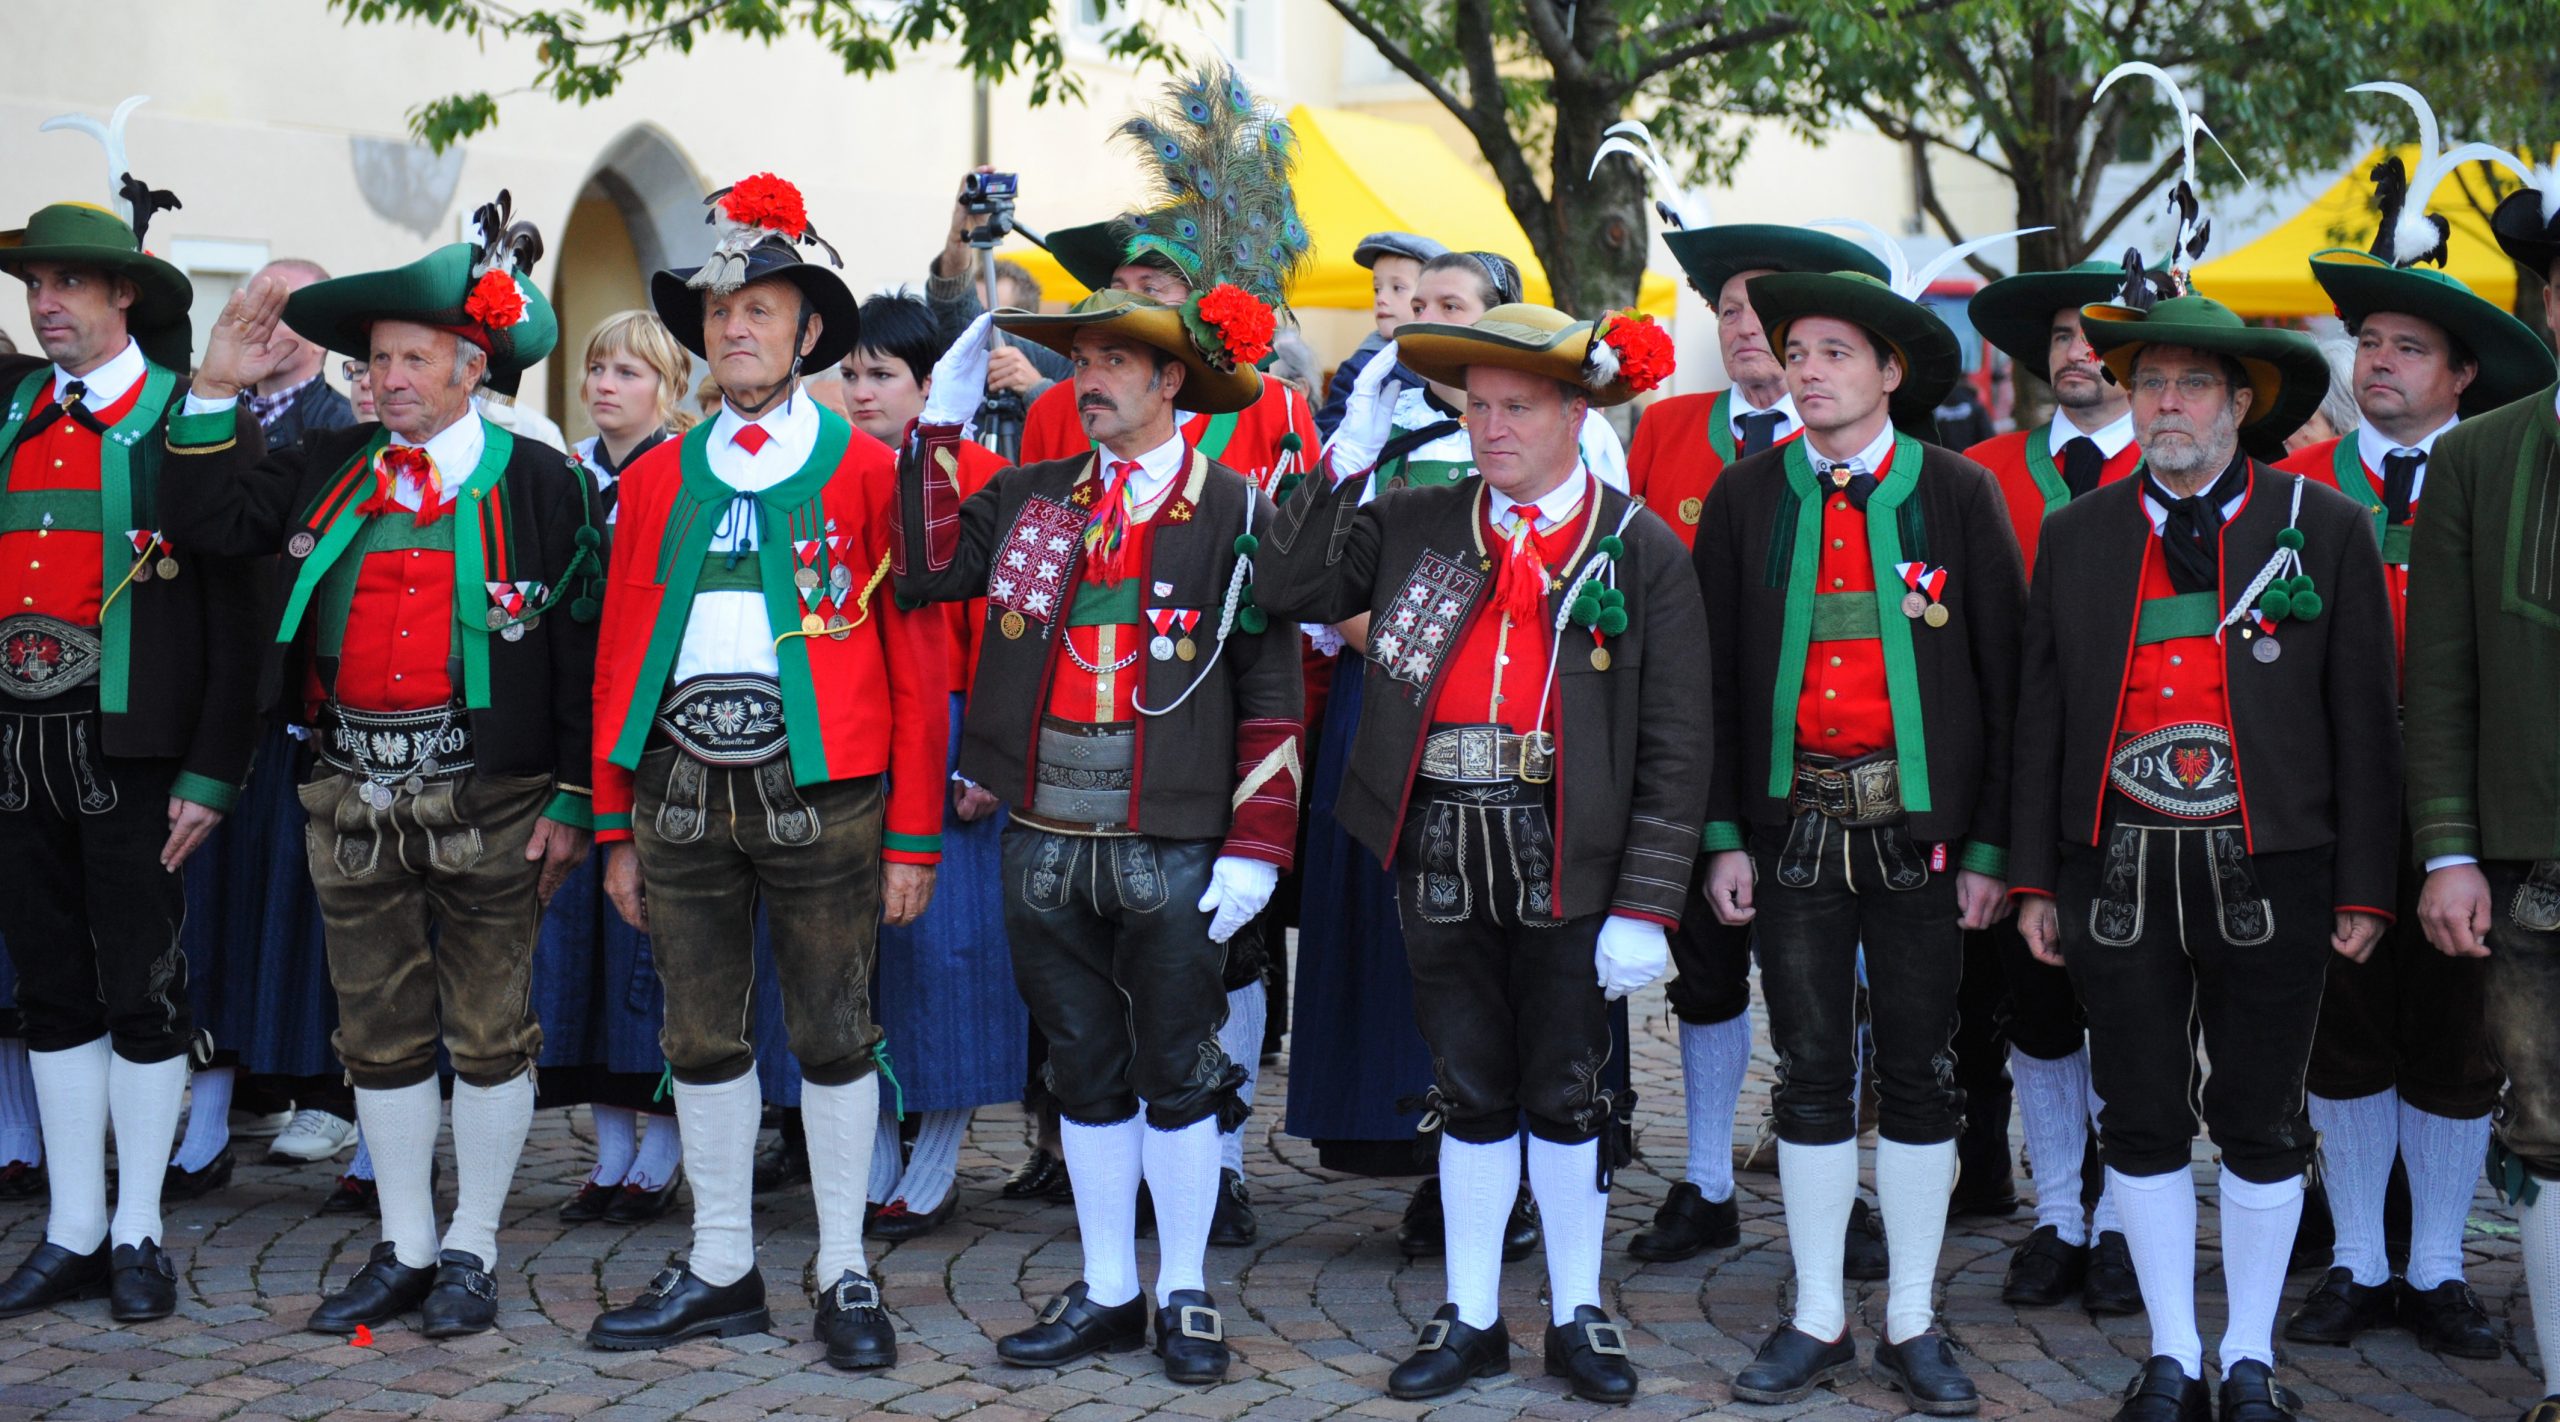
513	631
2267	650
1161	648
378	796
427	766
415	784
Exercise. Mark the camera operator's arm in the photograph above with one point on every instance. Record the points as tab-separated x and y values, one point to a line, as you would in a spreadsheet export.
952	291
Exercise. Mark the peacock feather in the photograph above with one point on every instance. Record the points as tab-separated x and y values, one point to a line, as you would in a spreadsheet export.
1218	161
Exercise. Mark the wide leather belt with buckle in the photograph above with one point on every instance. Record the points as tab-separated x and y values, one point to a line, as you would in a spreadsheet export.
1083	776
42	657
2184	771
1857	793
726	720
433	744
1487	755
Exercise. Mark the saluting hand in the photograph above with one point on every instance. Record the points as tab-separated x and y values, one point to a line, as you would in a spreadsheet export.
236	354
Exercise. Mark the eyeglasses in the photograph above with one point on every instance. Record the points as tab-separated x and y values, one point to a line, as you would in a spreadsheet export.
2193	385
351	369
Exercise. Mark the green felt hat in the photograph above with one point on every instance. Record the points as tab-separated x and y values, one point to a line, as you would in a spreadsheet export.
2285	368
1091	253
1932	359
1539	340
2513	361
1713	256
2015	314
83	234
436	290
1213	383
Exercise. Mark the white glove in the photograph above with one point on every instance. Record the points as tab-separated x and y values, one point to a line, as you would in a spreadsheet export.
960	377
1238	888
1368	418
1632	956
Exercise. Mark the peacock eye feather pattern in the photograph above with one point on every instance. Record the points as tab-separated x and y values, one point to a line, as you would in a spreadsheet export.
1218	163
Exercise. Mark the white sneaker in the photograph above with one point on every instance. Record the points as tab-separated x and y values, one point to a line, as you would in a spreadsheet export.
253	1125
313	1135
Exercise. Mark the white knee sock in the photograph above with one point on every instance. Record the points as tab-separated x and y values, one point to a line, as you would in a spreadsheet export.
208	1118
21	1125
489	1125
2358	1137
1574	1212
1182	1178
1713	1060
842	1122
71	1096
617	1142
1817	1184
935	1160
142	1106
1479	1183
661	1151
888	1160
2053	1106
719	1132
362	1166
2160	1229
2258	1223
2542	1278
1248	1011
2444	1156
1913	1185
400	1126
1105	1164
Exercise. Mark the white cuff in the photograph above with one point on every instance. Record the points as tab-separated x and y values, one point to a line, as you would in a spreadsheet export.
198	405
2447	861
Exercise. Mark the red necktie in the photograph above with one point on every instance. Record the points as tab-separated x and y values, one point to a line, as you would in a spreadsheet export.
750	438
1520	584
404	464
1108	531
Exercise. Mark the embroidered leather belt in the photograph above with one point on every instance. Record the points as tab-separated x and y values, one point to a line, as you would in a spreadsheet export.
2185	772
42	657
1857	793
1081	782
726	720
382	746
1487	755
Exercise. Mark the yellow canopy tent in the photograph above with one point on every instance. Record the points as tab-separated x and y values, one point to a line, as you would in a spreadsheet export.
1357	175
2271	277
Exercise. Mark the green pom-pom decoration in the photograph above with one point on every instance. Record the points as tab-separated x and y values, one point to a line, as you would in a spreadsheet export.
1613	548
1613	621
2276	604
1247	545
2307	606
1252	620
2298	585
1612	597
2289	538
586	609
588	537
1585	610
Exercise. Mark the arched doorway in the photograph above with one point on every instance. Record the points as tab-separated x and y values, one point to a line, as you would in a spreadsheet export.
639	211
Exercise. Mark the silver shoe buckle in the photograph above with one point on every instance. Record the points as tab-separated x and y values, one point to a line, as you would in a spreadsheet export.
1435	1335
1214	1330
1054	1309
1605	1338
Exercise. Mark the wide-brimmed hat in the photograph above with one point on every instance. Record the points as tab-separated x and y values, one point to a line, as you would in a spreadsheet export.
2513	361
2285	368
1715	255
82	234
1216	345
763	223
1932	359
480	289
2015	314
1615	359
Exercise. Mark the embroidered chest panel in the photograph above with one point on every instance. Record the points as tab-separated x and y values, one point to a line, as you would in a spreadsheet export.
1420	628
1037	558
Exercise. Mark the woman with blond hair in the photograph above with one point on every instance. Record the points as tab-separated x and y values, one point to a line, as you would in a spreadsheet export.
633	390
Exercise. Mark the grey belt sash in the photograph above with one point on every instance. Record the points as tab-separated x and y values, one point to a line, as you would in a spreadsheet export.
1486	755
42	657
1083	776
433	744
726	720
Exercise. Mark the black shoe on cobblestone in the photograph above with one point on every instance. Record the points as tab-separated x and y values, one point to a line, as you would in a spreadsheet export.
1041	1177
1923	1368
1688	1224
1192	1338
2448	1319
143	1284
1448	1355
2250	1394
1424	1231
1792	1364
54	1275
2111	1289
2044	1271
678	1305
2340	1309
853	1326
1072	1326
2162	1392
1863	1256
1590	1354
353	1195
464	1300
381	1291
1234	1225
182	1184
1522	1234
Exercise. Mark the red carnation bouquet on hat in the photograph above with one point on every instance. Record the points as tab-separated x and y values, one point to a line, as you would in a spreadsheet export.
1629	346
507	251
757	209
1231	326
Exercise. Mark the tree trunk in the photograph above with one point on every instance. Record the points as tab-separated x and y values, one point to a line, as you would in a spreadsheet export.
1591	232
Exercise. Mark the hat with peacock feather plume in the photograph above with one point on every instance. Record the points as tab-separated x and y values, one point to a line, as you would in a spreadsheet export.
110	239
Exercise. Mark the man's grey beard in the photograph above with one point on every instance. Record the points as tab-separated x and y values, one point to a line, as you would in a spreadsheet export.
2206	455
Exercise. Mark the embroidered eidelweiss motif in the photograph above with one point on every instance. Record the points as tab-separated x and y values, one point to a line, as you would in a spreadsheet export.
1037	557
1421	626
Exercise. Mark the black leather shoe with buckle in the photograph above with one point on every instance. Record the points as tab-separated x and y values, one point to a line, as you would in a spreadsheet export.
381	1291
2250	1394
2044	1271
53	1275
1792	1364
853	1326
143	1284
464	1299
1863	1255
678	1305
1448	1354
2111	1289
1424	1230
2162	1392
1923	1368
1688	1224
1234	1224
1590	1354
2547	1410
1191	1338
1072	1326
1522	1234
2339	1309
2448	1319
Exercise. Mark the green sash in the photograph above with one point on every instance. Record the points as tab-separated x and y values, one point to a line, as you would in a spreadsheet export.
62	510
2166	619
2041	468
1214	436
2346	464
1720	425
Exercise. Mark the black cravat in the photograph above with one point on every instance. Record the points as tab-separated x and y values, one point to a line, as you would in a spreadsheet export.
2191	536
2081	463
2400	470
1759	429
1860	485
74	396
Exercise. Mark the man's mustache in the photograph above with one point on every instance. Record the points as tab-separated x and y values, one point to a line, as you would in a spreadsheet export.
1097	402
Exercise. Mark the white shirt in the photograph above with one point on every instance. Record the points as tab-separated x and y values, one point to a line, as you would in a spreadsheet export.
1551	509
1157	469
2110	440
1876	458
729	632
455	452
2371	446
1739	406
2159	514
108	383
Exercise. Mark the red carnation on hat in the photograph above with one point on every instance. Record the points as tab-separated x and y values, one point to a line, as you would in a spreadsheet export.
1643	348
494	301
1245	325
766	201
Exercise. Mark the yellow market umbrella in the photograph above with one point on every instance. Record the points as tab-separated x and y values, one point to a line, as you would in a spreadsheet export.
1357	175
2271	277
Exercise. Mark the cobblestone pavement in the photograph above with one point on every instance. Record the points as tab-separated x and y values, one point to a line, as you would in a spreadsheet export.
1318	1310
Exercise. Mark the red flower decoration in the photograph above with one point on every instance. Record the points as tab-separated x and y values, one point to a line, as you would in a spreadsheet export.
1244	324
768	202
1645	355
494	301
